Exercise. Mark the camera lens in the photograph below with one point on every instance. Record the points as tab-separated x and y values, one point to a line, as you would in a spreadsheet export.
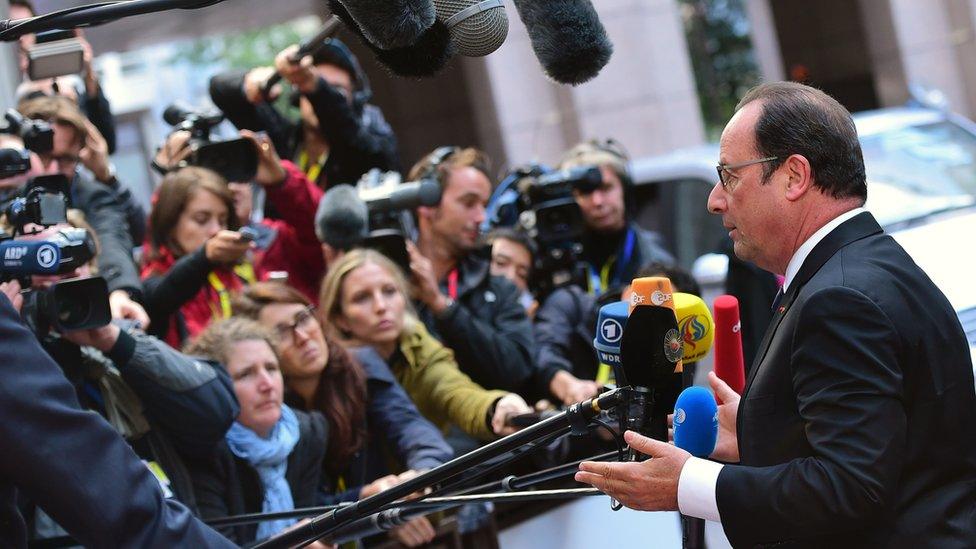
73	312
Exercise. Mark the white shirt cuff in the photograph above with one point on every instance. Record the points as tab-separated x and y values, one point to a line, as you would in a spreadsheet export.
696	489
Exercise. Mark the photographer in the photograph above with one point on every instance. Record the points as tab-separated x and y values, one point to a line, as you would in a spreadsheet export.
163	403
73	148
475	314
512	256
88	96
614	246
339	137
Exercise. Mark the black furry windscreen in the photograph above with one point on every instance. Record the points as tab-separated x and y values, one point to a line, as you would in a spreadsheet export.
424	58
568	38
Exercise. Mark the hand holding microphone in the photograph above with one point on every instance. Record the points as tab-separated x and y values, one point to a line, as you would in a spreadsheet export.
509	405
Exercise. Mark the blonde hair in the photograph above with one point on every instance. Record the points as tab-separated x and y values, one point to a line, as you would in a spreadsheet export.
330	296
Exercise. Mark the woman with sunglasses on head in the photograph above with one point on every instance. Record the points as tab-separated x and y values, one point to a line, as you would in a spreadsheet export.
198	255
371	417
271	458
364	302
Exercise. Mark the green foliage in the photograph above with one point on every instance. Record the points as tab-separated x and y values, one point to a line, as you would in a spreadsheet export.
245	49
722	57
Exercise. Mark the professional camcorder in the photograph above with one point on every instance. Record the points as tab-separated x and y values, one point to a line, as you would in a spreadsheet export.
233	159
390	204
38	136
72	304
541	203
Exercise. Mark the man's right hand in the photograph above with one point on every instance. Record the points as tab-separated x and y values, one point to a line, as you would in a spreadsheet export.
226	248
254	82
299	72
510	404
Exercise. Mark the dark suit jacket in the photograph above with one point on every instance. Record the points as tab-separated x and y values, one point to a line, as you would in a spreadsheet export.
857	425
72	463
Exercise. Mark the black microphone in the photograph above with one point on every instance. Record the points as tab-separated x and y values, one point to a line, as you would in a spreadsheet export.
342	219
650	348
309	47
390	24
568	38
477	27
424	57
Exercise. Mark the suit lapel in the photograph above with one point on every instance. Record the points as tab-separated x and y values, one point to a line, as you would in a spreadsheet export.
856	228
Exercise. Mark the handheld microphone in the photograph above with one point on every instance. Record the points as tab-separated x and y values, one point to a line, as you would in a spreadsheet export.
390	24
342	219
308	47
425	56
477	27
610	325
729	361
695	326
695	431
696	421
649	350
568	39
654	291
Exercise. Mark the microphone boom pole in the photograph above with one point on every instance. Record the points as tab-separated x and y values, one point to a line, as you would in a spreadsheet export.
330	522
94	14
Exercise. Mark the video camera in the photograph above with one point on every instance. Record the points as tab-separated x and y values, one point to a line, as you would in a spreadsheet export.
233	159
73	304
390	204
38	136
540	202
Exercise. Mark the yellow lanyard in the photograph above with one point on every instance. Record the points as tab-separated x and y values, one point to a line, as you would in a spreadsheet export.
245	271
313	171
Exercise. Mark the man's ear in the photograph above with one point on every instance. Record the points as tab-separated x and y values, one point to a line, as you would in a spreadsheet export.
800	175
425	213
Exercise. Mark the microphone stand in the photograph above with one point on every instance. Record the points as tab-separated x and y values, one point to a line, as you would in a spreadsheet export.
92	14
577	416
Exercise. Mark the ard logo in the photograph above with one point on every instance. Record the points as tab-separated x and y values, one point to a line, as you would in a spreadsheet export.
15	253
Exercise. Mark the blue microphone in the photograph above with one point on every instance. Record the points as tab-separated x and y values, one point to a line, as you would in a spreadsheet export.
29	257
696	421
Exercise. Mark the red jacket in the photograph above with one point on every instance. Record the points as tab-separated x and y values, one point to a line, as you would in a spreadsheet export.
183	301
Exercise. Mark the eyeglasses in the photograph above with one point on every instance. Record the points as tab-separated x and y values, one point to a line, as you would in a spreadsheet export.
724	169
285	333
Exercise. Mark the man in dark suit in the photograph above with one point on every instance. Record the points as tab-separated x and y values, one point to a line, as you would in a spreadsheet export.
72	463
856	426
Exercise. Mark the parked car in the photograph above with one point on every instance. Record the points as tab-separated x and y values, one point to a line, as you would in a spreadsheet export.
921	171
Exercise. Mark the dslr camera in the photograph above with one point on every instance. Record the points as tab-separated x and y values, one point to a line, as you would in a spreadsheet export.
234	159
73	304
38	136
540	202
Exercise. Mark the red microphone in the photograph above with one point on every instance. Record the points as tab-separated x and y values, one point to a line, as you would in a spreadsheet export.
729	363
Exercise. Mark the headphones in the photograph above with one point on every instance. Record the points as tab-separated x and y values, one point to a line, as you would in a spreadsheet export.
436	158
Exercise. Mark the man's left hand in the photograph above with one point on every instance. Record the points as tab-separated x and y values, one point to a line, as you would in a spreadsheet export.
94	155
270	172
650	485
123	307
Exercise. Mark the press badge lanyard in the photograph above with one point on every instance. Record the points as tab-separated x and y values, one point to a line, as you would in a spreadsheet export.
452	284
601	281
312	171
245	271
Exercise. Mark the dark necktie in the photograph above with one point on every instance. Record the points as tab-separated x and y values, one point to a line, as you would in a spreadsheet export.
777	299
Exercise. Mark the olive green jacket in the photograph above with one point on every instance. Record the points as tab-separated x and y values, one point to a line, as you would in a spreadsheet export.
443	394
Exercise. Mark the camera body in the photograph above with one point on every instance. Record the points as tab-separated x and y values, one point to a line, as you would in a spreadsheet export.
55	53
72	304
390	206
234	159
38	136
543	206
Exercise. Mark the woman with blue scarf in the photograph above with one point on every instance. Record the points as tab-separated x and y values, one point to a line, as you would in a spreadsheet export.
271	458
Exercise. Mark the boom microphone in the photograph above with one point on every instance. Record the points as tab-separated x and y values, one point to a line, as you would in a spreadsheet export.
729	362
390	24
424	57
342	219
568	39
404	196
477	27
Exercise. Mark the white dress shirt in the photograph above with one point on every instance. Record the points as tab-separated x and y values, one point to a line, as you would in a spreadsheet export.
699	477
